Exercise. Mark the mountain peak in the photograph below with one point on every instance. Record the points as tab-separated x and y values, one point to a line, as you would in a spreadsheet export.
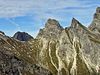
98	10
75	23
95	25
52	29
74	20
52	23
22	36
97	14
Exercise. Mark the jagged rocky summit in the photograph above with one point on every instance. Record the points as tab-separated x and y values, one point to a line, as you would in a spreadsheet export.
73	50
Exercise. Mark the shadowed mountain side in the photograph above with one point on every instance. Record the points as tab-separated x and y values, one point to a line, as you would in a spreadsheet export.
22	36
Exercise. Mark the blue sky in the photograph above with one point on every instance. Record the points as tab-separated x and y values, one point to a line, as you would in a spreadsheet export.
31	15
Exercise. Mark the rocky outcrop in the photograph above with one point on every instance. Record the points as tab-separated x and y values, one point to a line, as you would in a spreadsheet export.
52	30
22	36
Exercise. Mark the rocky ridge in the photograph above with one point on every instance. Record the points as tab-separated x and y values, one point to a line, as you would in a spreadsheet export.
15	58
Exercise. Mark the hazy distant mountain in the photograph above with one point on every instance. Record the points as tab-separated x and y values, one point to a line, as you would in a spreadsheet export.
74	50
22	36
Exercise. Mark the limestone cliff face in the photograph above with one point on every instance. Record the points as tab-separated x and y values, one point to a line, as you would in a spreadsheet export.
58	51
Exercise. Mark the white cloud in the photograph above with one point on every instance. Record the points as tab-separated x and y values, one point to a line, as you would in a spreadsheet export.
54	4
14	8
59	9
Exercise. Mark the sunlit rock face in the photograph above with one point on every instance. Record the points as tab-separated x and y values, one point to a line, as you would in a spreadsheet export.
67	54
73	50
22	36
70	51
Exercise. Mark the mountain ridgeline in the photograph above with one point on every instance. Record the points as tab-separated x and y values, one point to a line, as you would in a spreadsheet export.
73	50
